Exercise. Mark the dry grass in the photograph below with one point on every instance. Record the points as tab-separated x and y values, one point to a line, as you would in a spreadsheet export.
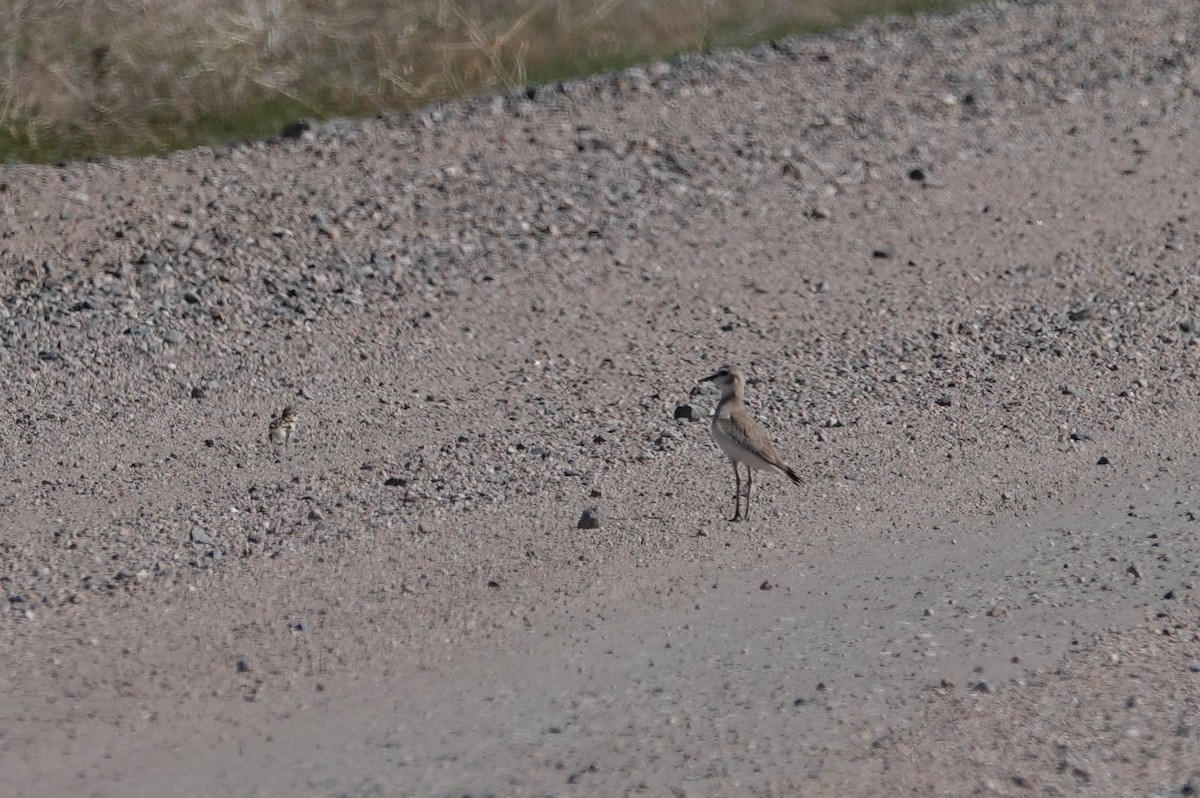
79	77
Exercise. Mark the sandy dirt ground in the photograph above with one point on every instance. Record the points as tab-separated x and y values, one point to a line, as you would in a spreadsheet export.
959	257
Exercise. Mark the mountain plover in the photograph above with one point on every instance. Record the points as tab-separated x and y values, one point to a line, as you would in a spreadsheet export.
741	437
282	427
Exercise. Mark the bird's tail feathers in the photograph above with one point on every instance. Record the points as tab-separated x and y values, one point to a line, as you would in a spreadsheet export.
791	472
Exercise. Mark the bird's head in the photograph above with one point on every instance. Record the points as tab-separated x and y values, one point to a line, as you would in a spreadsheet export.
729	379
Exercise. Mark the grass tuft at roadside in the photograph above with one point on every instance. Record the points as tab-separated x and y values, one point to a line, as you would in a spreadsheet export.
85	78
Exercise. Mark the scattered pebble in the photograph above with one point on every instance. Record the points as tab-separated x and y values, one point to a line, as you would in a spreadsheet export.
198	535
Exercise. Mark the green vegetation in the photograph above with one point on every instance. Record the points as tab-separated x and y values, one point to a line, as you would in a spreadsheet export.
80	78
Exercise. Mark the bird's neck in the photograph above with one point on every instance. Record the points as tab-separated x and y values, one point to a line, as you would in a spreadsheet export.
728	402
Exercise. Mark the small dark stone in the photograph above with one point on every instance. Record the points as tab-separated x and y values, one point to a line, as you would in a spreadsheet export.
943	401
554	730
883	251
1169	595
766	585
821	686
689	412
49	355
1082	314
243	666
191	298
209	442
395	482
981	687
198	392
300	625
493	583
1080	436
1102	461
1134	571
916	173
294	130
799	702
589	519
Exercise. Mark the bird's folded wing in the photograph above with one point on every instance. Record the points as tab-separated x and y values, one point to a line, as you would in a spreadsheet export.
746	432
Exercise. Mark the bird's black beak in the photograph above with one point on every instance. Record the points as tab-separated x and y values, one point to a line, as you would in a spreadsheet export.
710	377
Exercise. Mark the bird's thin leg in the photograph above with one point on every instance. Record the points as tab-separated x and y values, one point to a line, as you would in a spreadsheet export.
737	492
749	484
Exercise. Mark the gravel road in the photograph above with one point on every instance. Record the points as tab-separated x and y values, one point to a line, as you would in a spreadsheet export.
957	255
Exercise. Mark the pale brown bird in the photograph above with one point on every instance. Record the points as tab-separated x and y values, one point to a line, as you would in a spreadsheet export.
741	437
